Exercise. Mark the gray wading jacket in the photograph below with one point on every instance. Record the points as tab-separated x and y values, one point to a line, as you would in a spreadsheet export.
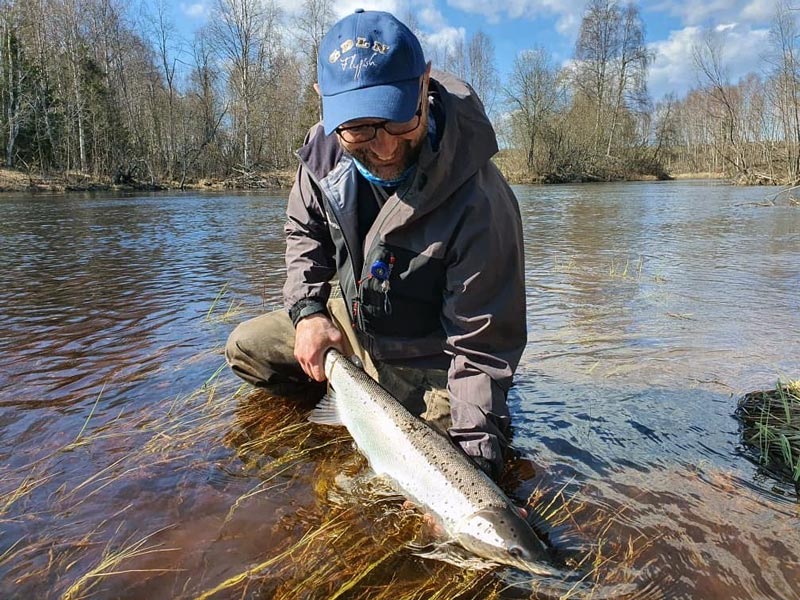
453	237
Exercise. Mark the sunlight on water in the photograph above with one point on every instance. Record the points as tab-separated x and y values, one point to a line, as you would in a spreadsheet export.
132	467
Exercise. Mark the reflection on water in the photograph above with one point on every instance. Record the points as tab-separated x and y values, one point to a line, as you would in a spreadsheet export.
651	308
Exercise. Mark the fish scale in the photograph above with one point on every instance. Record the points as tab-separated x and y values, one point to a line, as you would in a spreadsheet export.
429	469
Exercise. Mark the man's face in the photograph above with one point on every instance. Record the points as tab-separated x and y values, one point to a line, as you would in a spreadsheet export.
388	156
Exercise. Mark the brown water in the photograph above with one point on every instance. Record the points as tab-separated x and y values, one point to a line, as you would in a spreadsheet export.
651	308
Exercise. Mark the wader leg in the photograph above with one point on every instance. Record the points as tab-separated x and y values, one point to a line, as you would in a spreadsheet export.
261	351
422	391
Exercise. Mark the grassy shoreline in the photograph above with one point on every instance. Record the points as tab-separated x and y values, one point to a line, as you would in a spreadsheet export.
15	181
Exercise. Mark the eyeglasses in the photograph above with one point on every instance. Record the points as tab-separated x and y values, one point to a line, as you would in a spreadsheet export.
360	134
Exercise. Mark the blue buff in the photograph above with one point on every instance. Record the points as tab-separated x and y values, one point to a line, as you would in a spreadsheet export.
384	182
432	136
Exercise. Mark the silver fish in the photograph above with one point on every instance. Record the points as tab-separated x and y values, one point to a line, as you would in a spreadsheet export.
429	469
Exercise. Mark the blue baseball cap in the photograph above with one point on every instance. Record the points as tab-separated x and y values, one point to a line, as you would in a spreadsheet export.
369	65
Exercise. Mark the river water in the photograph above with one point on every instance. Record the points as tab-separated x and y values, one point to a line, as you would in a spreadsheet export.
132	466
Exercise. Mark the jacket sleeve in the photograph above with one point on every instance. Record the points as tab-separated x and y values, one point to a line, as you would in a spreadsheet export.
484	320
310	254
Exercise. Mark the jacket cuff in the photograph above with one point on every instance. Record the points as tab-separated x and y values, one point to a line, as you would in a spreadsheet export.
306	307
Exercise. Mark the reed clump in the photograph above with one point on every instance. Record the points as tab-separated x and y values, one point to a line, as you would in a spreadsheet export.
771	429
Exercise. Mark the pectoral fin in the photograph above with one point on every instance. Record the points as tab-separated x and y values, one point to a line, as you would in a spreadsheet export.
326	412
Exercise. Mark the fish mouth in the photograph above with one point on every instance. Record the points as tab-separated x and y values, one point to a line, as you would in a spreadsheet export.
533	567
513	556
501	535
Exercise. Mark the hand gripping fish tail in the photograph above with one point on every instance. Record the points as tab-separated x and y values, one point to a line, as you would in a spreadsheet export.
429	469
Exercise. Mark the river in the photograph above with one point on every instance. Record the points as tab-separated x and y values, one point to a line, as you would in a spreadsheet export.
133	465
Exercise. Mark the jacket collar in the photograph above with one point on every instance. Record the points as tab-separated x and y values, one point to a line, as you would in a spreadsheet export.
466	144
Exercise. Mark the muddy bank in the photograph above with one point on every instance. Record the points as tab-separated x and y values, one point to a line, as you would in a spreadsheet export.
15	181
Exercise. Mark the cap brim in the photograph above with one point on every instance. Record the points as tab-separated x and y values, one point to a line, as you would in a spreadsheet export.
397	101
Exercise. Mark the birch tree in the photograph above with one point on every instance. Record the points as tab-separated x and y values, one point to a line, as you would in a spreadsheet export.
244	32
311	24
611	63
533	94
13	80
785	60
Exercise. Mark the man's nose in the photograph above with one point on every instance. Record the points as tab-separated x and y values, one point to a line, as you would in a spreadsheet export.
384	144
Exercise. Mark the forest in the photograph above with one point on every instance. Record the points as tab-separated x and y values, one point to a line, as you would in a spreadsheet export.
101	90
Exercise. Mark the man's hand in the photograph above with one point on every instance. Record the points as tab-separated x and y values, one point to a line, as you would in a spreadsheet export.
312	337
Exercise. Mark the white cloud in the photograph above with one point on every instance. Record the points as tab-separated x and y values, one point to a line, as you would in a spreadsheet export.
568	25
674	69
494	11
431	18
442	40
759	10
707	12
196	10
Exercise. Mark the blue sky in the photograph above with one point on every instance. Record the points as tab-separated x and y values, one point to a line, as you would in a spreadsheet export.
515	25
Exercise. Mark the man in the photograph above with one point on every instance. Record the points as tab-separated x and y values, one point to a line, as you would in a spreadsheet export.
396	195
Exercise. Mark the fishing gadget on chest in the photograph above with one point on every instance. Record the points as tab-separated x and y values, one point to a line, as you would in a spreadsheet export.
382	271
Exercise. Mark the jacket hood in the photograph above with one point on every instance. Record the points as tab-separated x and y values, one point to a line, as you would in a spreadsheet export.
467	141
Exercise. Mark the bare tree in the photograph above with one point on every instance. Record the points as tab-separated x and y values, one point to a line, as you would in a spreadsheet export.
666	133
67	14
595	52
534	94
164	37
482	69
13	79
245	33
785	59
314	20
630	69
723	101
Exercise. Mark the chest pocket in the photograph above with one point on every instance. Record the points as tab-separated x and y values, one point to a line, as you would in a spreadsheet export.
409	303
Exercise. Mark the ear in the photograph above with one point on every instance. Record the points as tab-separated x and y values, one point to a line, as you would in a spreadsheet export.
316	89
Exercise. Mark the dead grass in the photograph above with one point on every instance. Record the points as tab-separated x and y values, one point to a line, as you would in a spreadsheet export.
351	541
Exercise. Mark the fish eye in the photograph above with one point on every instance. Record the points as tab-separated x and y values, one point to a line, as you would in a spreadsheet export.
515	551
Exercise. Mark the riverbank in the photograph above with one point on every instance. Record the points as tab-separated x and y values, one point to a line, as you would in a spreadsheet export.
14	181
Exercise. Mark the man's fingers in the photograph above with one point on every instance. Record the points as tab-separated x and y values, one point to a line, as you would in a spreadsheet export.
318	371
314	335
317	366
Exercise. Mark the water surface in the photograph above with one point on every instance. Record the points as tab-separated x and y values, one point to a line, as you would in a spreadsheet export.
651	308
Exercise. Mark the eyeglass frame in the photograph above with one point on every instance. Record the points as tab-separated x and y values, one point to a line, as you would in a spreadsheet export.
382	124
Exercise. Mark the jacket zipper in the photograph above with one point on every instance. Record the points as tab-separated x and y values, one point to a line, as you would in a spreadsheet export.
353	309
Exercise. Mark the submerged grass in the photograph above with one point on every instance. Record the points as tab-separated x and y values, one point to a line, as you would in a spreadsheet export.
344	535
215	312
771	428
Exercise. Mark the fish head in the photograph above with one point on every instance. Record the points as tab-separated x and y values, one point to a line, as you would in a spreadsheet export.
501	535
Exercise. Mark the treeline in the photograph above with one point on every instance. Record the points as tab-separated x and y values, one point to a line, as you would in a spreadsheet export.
95	87
86	86
750	130
594	119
